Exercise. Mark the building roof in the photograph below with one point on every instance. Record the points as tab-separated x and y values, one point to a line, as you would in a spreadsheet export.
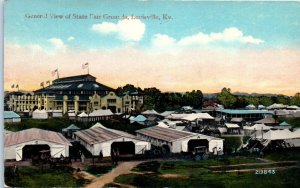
238	120
231	125
169	134
266	121
74	83
193	117
10	115
166	134
101	134
35	134
101	112
229	111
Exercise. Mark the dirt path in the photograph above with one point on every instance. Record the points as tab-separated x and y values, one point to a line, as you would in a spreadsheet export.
122	168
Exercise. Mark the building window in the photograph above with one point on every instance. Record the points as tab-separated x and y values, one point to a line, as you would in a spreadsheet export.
111	100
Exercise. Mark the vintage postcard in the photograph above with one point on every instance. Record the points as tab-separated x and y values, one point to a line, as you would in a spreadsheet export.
128	93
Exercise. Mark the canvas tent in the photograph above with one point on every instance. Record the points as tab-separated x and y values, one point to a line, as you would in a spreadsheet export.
284	124
193	117
23	144
150	112
250	107
39	114
139	119
57	113
268	120
100	115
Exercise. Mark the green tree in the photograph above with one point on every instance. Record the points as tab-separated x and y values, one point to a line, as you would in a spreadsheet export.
226	98
296	99
266	101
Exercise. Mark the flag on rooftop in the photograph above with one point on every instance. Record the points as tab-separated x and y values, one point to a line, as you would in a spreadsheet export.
17	86
85	65
54	72
13	86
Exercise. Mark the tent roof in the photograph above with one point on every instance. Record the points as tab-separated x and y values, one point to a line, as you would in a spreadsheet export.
162	124
97	125
71	127
101	112
293	107
40	111
266	121
176	116
279	135
169	135
166	113
275	105
150	112
231	125
35	134
236	119
139	118
284	124
101	134
193	117
10	114
258	127
83	114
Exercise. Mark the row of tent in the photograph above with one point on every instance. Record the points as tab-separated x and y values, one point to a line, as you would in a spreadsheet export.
272	107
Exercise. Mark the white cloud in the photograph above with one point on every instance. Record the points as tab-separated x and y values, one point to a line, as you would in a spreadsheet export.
58	44
231	34
71	38
227	35
126	30
160	40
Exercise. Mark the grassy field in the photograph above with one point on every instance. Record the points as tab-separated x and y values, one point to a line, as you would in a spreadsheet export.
200	174
287	178
57	124
41	177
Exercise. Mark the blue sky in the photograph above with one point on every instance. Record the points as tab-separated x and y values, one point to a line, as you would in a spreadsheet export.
246	46
276	23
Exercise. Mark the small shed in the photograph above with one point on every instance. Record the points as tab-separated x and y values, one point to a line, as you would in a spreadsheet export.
232	128
11	117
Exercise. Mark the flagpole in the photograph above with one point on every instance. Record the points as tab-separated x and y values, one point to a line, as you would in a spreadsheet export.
88	67
57	74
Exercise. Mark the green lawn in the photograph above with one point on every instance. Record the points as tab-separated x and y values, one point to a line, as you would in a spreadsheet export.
41	177
57	124
291	155
287	178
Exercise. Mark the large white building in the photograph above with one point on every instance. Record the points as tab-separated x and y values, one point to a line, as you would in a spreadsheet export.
177	141
101	139
28	143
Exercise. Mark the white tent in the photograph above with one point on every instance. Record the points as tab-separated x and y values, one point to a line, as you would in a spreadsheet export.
193	117
97	125
57	113
277	135
97	113
166	113
39	114
250	107
261	107
150	112
276	106
257	127
293	107
162	124
231	125
83	114
176	116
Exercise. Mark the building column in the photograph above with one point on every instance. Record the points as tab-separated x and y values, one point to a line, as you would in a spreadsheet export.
65	104
76	104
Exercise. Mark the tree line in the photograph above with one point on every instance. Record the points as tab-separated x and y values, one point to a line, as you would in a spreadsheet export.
161	101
